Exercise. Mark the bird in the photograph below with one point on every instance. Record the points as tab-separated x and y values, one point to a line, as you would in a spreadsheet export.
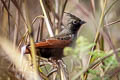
53	46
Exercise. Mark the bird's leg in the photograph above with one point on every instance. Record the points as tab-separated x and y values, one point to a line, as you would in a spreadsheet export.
63	70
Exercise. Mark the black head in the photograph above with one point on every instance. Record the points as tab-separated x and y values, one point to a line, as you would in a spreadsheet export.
74	23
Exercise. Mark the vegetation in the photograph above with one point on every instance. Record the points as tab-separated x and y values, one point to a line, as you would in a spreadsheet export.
95	55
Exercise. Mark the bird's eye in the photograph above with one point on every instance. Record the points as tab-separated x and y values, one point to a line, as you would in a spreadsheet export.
74	22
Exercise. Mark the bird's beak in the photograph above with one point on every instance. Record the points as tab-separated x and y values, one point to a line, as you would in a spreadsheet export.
83	22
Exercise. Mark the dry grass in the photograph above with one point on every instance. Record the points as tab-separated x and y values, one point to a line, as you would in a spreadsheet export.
29	21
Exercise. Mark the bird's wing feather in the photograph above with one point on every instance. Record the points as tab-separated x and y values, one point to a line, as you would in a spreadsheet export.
50	44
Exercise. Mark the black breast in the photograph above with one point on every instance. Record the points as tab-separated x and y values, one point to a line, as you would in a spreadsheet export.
50	52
